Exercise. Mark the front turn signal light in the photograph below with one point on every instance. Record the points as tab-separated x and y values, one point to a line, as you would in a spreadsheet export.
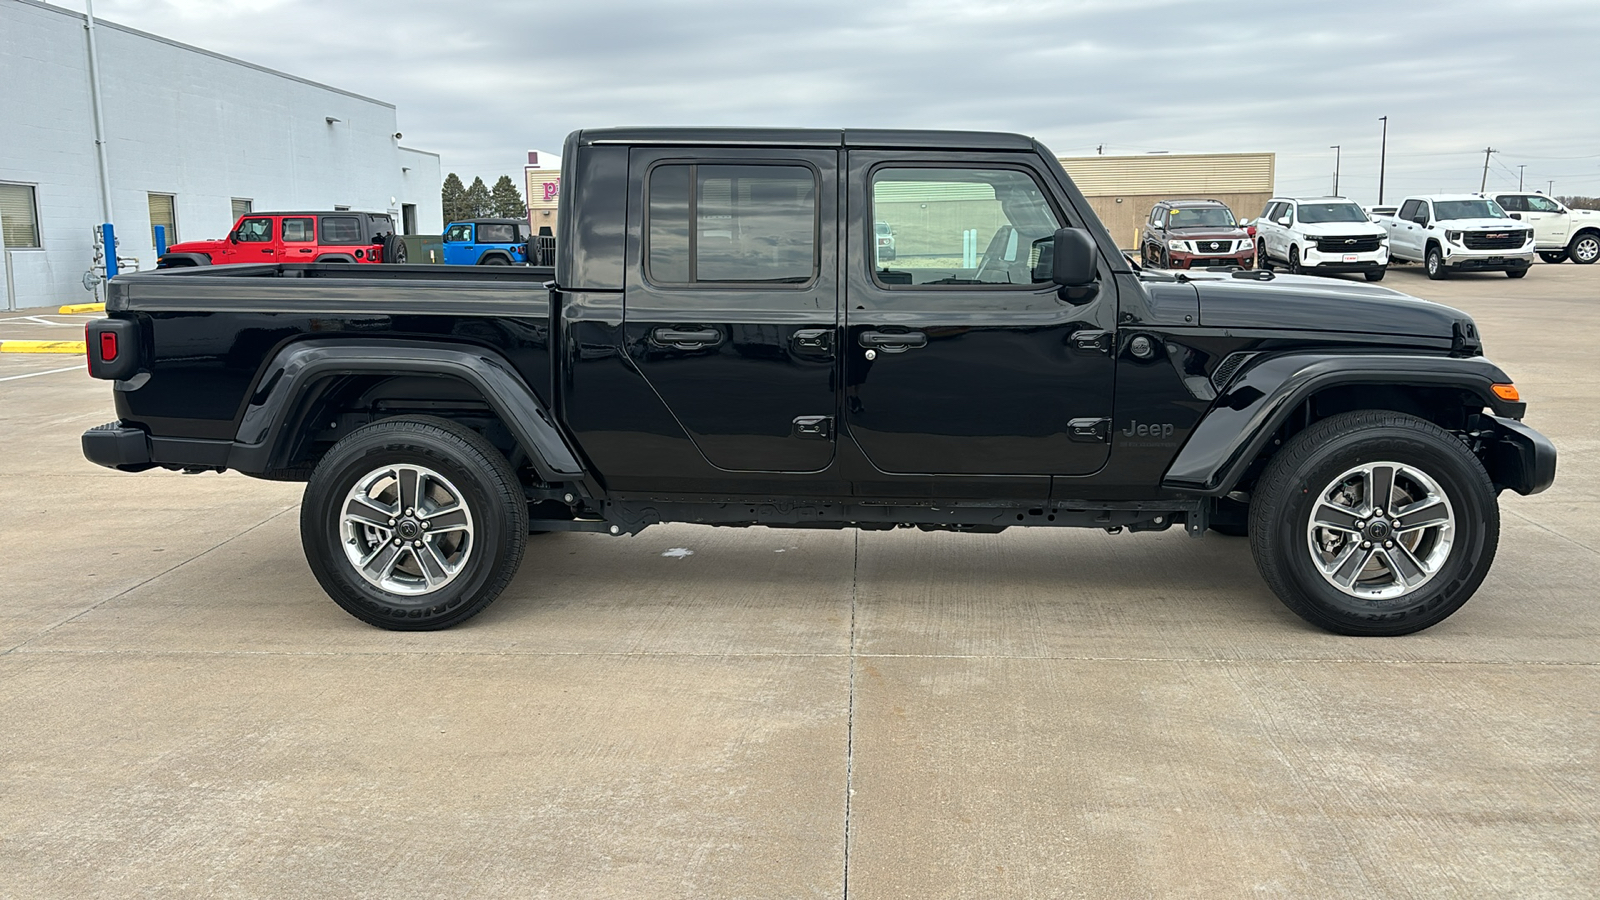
1507	392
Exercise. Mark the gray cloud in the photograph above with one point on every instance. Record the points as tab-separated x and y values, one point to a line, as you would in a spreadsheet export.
481	82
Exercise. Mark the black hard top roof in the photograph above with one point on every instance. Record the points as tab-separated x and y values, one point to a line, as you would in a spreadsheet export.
810	137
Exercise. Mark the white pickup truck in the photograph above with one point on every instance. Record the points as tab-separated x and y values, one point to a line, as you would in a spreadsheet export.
1458	233
1558	232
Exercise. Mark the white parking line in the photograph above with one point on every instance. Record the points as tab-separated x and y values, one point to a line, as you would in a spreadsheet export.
36	374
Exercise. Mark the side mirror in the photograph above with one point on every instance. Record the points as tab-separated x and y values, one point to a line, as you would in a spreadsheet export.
1073	264
1284	221
1421	219
233	237
1517	216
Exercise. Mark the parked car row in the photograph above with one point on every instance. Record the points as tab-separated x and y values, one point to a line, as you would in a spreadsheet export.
1323	235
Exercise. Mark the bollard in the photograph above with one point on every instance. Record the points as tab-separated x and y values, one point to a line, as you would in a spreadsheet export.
161	239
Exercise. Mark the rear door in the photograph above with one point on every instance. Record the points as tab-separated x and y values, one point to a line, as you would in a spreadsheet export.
960	357
299	238
731	304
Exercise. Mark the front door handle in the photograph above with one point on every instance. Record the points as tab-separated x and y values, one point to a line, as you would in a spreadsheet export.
686	338
893	341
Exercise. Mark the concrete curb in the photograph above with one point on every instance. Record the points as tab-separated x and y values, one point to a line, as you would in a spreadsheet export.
75	308
64	347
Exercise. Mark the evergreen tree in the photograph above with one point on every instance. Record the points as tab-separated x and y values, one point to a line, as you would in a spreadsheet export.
508	200
454	197
479	201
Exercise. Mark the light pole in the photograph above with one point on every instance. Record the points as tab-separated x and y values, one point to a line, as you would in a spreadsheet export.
1519	176
1383	150
1336	154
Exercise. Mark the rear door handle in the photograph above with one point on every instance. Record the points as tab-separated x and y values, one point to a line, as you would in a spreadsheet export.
893	341
686	338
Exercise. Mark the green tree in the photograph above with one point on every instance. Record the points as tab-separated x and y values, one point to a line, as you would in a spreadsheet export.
479	201
454	197
508	200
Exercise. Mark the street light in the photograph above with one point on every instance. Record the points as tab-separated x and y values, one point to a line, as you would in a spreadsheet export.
1383	150
1519	176
1336	154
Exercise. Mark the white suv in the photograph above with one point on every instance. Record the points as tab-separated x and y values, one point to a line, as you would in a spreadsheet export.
1558	232
1322	234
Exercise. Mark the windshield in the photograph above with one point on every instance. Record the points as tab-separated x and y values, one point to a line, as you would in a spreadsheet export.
1201	217
1445	210
1312	213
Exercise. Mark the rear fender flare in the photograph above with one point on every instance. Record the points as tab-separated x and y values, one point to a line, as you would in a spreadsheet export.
261	444
1260	399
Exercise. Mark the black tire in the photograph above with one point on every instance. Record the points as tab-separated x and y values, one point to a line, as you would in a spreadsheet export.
1375	274
1313	464
394	250
1263	261
1553	256
1231	518
1166	259
1435	264
1516	273
457	464
496	260
1294	262
1584	249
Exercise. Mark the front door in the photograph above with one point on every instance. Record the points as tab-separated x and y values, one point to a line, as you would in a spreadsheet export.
730	311
255	241
960	357
1550	221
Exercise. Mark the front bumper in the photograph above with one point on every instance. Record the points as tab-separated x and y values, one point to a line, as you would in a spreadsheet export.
1182	260
1321	261
1518	457
1460	258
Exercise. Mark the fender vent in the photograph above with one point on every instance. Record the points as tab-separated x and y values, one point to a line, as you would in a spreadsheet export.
1229	368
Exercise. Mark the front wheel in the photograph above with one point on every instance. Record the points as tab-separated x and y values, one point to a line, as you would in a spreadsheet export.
1585	250
1375	274
1374	523
1516	273
1294	262
1435	264
414	523
1263	261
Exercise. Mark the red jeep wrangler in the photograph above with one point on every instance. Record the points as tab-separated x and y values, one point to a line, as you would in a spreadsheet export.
270	237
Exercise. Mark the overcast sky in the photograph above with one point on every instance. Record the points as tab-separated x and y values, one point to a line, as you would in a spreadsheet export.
482	81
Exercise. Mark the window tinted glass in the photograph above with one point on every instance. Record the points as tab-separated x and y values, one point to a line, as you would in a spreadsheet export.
19	219
1410	208
1468	209
1331	212
1540	204
962	226
1512	202
458	234
255	231
341	230
496	233
1200	217
299	230
750	224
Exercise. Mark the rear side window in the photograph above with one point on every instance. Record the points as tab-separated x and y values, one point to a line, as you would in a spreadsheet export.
1512	202
341	230
381	224
748	224
300	230
497	233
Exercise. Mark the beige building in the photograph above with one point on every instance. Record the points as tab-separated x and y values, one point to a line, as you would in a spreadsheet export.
1122	189
542	179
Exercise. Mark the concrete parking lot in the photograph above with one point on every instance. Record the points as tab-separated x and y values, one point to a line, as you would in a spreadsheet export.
1040	713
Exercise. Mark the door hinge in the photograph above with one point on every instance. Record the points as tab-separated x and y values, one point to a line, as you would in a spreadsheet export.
813	428
1089	431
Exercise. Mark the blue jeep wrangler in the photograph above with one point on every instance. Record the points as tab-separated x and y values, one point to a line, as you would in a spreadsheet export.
486	242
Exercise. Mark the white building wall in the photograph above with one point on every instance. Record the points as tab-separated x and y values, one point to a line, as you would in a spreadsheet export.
182	121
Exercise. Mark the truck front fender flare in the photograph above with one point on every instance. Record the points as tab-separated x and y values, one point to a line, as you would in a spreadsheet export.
1245	417
179	260
283	382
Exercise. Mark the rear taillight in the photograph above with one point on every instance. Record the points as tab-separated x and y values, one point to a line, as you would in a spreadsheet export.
112	346
108	346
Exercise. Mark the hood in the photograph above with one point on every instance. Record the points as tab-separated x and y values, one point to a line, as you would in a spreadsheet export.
1480	224
1308	303
206	246
1207	232
1342	229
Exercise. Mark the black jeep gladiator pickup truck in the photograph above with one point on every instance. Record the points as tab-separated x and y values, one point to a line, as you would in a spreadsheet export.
721	342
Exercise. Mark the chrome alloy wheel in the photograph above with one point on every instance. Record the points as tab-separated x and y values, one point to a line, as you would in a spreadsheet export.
1380	531
406	529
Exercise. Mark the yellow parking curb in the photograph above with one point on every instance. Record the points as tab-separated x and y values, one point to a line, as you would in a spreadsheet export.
75	308
71	347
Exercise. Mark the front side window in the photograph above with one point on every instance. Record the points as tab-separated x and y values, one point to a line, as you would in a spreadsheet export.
497	233
957	226
19	217
255	231
299	230
458	234
1448	210
341	230
1410	209
1156	215
1318	213
731	224
1543	205
163	212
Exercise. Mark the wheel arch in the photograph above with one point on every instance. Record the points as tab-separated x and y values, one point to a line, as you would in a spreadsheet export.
495	254
312	382
1280	396
182	260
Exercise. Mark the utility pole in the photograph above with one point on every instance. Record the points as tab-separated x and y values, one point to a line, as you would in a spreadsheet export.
1519	176
1550	188
1100	150
99	117
1336	154
1383	150
1483	185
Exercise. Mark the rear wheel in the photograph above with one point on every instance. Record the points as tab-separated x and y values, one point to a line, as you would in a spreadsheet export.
1556	256
1585	249
1435	264
494	261
414	523
1374	523
1375	274
394	250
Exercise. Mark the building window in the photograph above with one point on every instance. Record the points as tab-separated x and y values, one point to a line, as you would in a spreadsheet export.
19	217
242	207
163	213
